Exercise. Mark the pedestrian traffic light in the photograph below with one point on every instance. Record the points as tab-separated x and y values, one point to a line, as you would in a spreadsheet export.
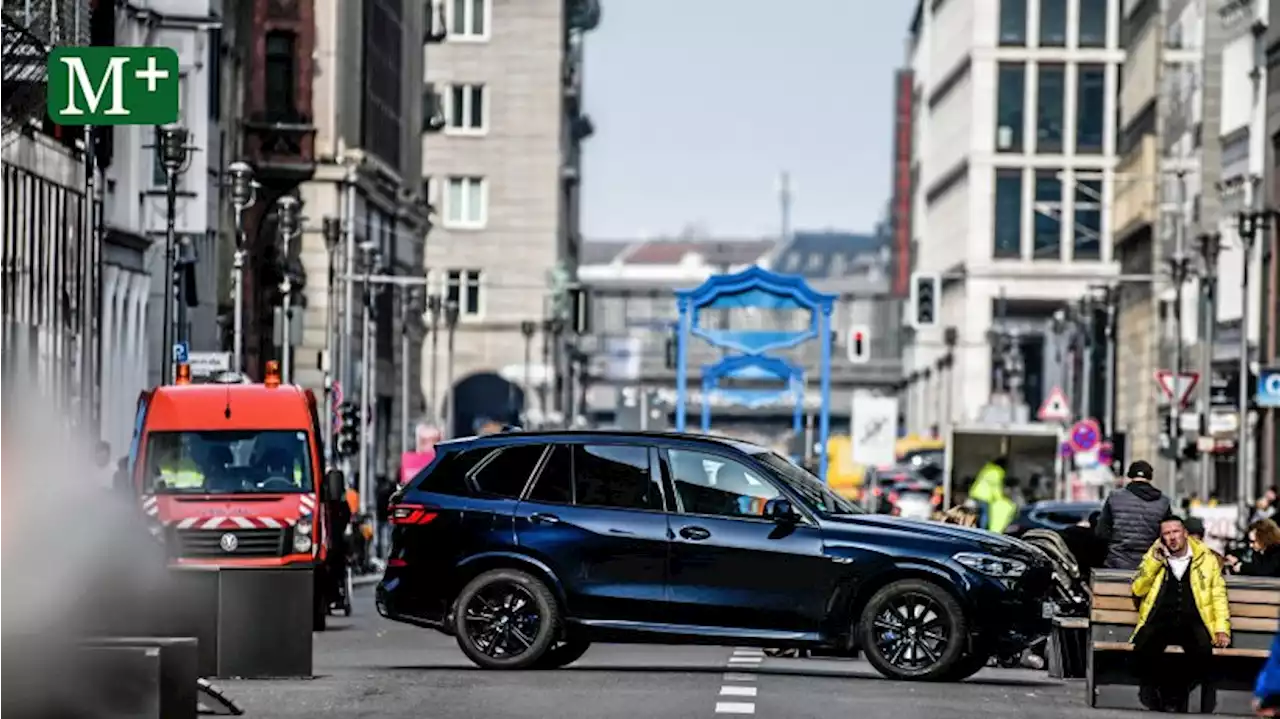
349	431
859	344
670	350
925	288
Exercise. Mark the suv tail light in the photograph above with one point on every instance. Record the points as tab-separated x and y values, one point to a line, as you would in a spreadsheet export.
411	514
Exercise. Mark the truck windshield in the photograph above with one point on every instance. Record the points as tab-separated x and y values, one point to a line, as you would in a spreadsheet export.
812	489
228	462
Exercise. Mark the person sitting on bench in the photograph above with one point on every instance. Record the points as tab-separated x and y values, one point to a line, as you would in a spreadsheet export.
1184	603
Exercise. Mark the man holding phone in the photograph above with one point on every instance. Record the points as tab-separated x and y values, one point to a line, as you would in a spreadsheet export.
1183	603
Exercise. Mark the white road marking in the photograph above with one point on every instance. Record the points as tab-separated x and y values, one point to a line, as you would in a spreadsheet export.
732	691
739	677
735	708
748	652
745	660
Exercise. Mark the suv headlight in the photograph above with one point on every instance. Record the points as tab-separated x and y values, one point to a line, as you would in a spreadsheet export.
992	566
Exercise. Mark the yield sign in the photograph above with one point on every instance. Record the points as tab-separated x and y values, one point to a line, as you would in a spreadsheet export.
1177	387
1055	407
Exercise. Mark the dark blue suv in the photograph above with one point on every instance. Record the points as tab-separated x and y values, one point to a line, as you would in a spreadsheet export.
529	546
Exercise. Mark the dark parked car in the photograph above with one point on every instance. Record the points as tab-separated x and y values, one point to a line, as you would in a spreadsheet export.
529	546
1051	514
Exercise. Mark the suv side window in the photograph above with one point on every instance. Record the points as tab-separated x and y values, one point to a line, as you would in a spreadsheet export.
507	472
448	474
714	485
554	484
615	476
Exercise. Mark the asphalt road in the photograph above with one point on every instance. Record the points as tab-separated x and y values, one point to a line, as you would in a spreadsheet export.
369	667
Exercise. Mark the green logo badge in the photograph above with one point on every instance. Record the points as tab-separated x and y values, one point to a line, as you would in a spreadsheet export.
113	85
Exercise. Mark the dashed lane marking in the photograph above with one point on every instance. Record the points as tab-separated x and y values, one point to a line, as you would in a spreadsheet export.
737	683
735	691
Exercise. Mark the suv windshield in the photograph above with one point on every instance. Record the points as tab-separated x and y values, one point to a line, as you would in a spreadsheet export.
815	493
228	462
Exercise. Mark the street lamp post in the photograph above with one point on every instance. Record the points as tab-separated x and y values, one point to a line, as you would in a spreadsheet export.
1210	247
451	323
243	195
287	219
1250	224
332	230
411	298
370	250
435	307
527	328
173	157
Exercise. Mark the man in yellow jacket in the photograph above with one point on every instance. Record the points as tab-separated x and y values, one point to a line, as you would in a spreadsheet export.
1184	603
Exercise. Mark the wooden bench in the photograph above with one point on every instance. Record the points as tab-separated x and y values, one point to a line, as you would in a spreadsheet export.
1255	619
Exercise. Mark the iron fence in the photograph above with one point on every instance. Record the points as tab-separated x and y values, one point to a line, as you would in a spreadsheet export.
50	296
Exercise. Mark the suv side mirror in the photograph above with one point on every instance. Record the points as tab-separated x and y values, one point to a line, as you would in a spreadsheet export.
781	511
335	485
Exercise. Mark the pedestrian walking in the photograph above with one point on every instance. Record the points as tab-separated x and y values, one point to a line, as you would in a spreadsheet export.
1183	603
1130	519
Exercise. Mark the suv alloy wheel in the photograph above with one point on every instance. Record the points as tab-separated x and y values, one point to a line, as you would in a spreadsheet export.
506	619
913	629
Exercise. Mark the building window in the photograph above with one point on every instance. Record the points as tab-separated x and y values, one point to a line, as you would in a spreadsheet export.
464	287
1048	212
1008	215
1013	22
1088	220
1053	23
467	111
1091	103
466	202
1011	99
1049	101
1093	23
279	69
469	19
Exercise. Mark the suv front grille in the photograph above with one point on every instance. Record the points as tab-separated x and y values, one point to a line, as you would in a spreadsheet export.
248	543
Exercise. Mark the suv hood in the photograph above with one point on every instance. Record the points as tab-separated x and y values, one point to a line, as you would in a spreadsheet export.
964	538
235	511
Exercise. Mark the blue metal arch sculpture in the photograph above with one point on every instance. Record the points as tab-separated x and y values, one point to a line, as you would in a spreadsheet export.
757	287
754	366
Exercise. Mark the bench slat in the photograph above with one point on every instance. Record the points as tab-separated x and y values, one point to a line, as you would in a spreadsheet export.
1112	589
1130	618
1121	603
1239	595
1262	611
1228	652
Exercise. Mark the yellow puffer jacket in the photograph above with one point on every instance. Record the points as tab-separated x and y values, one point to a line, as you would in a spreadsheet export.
1207	586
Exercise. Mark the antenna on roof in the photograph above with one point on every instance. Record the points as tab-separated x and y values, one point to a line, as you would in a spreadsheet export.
784	204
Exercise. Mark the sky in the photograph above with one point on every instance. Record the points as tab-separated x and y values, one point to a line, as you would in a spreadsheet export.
698	105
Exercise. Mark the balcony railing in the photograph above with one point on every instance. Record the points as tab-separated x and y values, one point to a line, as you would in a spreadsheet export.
281	140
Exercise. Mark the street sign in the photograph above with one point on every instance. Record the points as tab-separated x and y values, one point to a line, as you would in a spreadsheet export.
1056	408
1177	387
207	364
874	430
1085	435
1268	390
181	353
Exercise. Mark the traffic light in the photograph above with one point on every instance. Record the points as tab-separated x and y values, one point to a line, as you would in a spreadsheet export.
671	349
925	288
349	432
859	344
579	310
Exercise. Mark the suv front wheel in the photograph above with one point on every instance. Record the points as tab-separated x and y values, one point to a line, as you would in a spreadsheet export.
506	619
913	629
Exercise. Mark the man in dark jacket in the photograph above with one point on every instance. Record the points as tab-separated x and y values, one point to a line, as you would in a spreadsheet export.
1130	520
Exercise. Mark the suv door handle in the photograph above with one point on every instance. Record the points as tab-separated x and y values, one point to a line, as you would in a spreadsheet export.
540	518
697	534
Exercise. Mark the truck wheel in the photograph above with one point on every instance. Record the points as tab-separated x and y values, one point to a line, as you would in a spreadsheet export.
506	619
913	629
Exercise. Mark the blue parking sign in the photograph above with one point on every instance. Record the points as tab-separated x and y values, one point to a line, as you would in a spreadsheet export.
1268	390
181	353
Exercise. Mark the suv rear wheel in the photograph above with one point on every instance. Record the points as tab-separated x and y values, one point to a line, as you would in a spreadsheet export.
506	619
913	629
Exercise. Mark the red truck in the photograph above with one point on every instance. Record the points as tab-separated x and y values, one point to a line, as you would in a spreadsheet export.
231	474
